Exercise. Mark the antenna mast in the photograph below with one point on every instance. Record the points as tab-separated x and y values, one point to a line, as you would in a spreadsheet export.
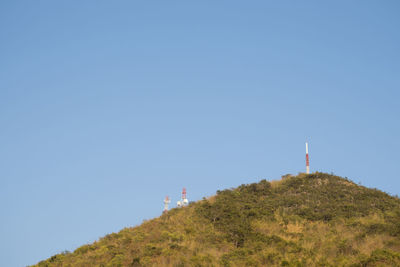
307	160
184	201
166	202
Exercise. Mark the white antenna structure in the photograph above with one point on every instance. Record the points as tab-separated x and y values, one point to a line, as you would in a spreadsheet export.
166	203
184	201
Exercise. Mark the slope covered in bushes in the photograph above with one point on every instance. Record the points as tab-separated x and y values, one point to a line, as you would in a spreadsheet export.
305	220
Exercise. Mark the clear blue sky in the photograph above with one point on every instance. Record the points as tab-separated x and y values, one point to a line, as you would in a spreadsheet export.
108	106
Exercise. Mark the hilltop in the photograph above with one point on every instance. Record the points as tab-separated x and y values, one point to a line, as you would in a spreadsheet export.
306	220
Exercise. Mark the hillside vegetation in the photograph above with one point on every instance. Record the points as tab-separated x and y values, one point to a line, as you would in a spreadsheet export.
305	220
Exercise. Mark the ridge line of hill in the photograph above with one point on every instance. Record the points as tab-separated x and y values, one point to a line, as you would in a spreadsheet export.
313	219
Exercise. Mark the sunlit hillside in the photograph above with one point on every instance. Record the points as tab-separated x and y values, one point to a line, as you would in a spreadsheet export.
305	220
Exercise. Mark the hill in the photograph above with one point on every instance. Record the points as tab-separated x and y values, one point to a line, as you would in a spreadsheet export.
305	220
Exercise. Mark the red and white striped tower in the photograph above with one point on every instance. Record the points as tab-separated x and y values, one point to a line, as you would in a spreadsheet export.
166	202
307	160
183	193
185	201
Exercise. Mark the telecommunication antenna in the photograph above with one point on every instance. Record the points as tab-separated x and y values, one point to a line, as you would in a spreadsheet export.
166	203
184	201
307	160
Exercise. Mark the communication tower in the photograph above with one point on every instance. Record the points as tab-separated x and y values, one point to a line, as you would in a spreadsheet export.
307	160
183	202
166	203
